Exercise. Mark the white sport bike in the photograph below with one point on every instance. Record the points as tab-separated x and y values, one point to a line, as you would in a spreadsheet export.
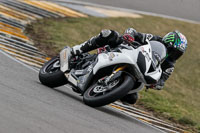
109	75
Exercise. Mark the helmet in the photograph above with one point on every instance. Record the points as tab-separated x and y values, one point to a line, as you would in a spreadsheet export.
129	35
176	44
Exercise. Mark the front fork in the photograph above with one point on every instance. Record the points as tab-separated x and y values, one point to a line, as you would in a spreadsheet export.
116	73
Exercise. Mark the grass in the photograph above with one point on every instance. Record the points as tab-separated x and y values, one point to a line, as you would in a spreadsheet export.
179	100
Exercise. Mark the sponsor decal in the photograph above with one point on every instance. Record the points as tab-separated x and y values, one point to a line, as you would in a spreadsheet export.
105	56
64	55
149	36
169	70
146	54
90	68
182	46
157	56
111	55
142	48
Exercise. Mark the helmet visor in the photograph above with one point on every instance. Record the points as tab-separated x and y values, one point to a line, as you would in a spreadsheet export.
174	54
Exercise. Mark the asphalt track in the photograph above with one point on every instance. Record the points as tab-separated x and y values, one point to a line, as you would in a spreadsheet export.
185	9
27	106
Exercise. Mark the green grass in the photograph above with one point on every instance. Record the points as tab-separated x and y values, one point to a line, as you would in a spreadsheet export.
179	101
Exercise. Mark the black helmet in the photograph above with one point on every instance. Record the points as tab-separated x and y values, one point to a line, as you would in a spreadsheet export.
176	44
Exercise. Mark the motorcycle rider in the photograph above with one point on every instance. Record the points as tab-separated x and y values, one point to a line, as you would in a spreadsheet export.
175	42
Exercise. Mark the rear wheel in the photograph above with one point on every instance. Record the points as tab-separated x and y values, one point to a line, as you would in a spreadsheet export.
100	95
51	75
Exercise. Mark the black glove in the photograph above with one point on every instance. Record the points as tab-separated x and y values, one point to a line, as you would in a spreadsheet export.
159	85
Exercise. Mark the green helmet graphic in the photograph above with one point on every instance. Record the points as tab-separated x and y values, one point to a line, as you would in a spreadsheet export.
176	40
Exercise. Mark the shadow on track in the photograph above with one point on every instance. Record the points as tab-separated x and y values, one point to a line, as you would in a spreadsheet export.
105	109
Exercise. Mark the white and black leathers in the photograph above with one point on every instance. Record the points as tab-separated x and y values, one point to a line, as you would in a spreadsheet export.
112	38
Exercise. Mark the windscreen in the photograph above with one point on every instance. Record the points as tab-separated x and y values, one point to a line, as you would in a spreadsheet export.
159	48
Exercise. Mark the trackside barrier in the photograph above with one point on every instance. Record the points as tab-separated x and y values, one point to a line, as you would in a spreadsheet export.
15	15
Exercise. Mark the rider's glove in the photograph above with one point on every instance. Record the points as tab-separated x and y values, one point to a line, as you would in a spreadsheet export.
159	85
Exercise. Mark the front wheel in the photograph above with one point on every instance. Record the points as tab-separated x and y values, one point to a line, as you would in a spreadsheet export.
100	95
51	75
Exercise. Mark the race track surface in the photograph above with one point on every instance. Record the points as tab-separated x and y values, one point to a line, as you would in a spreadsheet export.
26	106
186	9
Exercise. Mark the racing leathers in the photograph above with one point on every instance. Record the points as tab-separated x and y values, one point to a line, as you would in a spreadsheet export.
112	38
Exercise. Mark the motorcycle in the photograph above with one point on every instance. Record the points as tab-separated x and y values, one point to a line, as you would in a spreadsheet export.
108	75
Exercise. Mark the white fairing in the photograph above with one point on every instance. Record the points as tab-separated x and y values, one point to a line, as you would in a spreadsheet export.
129	56
64	57
111	58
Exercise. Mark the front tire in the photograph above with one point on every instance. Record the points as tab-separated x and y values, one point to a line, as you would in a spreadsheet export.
51	75
118	91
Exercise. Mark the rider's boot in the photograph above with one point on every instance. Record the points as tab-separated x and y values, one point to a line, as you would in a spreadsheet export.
130	98
84	47
105	37
70	53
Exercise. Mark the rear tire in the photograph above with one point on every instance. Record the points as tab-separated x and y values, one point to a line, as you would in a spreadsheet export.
51	75
120	90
